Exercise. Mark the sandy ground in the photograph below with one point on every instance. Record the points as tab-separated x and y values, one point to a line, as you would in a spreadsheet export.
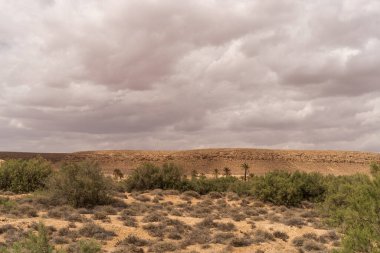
244	227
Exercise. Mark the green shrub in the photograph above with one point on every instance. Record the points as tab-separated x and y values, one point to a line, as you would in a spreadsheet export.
241	187
290	189
149	177
89	246
353	204
205	185
311	185
21	176
81	185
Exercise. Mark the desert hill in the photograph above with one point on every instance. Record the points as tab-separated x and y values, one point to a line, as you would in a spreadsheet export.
206	160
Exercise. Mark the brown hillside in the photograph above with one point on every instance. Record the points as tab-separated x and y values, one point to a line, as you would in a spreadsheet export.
206	160
260	160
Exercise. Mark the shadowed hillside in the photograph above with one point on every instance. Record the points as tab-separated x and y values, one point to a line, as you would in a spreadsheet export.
206	160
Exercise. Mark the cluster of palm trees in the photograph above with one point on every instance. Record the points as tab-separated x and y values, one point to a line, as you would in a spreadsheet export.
227	171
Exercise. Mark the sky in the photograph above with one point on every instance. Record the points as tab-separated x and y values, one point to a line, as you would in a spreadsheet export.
168	74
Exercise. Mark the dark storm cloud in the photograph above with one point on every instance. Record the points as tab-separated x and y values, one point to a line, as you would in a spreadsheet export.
170	74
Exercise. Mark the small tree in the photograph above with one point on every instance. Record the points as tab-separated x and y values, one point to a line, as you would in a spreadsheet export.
227	171
118	174
216	173
245	167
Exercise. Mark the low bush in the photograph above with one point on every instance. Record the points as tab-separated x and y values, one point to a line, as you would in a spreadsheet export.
241	241
81	185
155	230
91	230
262	236
134	240
281	235
22	176
160	247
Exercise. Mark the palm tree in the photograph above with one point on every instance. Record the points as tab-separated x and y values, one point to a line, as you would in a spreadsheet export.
227	171
245	167
216	173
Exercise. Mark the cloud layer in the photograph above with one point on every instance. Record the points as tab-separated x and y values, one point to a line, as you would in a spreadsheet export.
169	74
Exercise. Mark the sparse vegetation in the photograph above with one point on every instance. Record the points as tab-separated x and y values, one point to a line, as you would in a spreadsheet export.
349	203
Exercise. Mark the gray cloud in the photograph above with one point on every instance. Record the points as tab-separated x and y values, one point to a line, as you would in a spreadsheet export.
85	75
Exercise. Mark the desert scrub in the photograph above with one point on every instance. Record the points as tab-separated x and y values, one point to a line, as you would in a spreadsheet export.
191	194
34	243
22	176
197	236
313	246
141	197
136	209
223	237
133	240
65	213
99	215
261	236
91	230
241	241
214	195
153	217
281	235
155	230
294	222
81	185
160	247
328	237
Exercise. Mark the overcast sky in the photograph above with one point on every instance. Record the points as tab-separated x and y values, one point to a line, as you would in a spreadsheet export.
169	74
